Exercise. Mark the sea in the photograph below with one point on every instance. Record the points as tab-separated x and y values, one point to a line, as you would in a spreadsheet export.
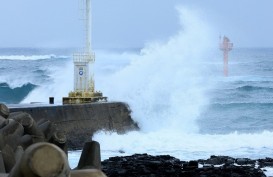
176	89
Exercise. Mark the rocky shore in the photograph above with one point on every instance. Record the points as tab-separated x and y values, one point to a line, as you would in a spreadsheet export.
144	165
30	148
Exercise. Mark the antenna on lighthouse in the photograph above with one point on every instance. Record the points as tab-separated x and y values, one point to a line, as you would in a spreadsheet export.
84	85
225	46
88	27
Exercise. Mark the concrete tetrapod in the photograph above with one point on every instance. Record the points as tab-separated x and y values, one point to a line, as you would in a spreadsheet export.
4	110
48	160
90	157
87	173
42	160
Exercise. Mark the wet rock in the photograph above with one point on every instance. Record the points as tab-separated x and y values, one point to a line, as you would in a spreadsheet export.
218	160
245	161
267	162
145	165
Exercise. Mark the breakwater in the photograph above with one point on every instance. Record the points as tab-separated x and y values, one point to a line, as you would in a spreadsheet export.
80	121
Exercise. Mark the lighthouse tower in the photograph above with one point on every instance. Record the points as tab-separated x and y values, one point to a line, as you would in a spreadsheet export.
84	85
225	46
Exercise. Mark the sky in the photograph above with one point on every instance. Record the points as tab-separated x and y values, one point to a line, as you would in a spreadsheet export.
130	23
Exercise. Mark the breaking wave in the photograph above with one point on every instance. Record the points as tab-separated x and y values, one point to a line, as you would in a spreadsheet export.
15	95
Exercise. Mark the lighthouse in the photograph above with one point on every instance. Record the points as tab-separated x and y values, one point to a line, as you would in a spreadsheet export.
225	46
84	84
83	61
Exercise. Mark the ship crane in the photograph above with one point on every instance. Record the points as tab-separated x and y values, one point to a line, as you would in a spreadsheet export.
84	84
225	46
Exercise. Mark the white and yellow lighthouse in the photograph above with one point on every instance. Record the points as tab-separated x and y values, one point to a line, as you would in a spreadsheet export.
84	85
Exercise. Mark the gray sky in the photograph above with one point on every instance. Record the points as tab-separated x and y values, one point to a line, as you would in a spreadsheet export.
130	23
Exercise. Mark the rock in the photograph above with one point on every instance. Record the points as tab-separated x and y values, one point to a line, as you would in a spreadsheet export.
267	162
4	110
244	161
218	160
145	165
141	165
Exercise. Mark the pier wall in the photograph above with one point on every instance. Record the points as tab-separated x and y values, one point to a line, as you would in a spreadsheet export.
80	121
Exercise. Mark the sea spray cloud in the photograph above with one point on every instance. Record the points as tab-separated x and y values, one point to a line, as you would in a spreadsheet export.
164	85
166	89
188	146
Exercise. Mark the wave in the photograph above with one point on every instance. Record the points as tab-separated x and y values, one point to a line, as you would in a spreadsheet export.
31	57
189	146
158	83
254	88
238	105
247	78
10	95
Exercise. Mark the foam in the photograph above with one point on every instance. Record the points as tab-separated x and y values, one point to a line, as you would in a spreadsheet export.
30	57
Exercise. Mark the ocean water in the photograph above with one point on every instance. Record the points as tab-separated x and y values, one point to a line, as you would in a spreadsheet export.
176	89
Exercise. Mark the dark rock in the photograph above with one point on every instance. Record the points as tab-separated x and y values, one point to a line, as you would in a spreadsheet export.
267	162
218	160
145	165
192	164
245	161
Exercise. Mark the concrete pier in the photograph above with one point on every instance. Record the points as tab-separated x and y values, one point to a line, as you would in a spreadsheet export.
80	121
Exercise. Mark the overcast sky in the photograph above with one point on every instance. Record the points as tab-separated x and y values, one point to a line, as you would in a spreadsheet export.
130	23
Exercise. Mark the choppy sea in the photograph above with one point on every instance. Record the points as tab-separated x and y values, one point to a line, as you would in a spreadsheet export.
190	111
177	91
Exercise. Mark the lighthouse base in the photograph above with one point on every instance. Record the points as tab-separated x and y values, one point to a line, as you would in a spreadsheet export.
80	97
